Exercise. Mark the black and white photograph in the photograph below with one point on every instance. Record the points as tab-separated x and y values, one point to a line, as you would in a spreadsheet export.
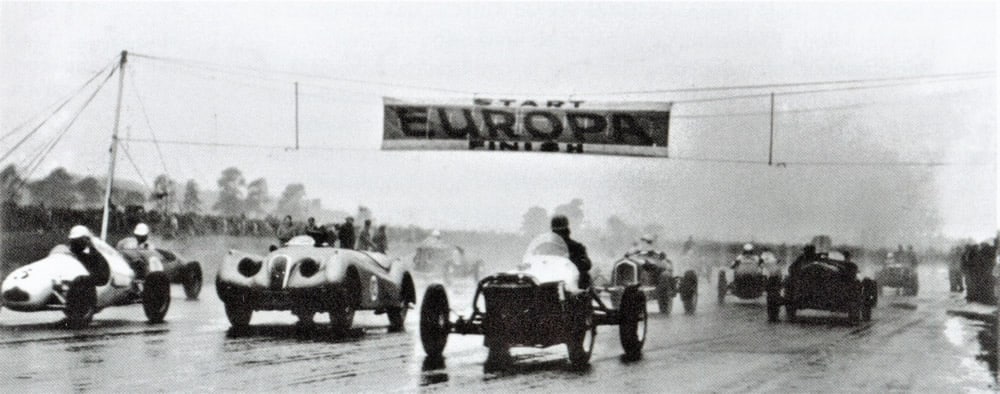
512	196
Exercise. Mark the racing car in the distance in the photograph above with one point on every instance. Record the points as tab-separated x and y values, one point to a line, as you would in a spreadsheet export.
654	274
898	275
539	304
60	282
179	270
829	282
308	279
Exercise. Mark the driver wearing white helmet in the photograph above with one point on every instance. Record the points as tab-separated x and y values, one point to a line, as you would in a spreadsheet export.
81	244
141	234
748	256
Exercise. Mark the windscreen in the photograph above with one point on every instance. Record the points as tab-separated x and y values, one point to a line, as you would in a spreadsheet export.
548	244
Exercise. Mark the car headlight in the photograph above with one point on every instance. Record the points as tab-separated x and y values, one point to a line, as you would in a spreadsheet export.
248	267
308	267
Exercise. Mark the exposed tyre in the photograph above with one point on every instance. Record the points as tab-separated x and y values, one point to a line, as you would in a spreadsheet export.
790	311
192	280
397	318
665	291
434	324
238	314
81	302
869	287
580	344
689	292
721	287
156	296
632	323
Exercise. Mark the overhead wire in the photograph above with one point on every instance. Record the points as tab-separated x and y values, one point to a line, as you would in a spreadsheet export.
34	166
51	115
17	128
149	124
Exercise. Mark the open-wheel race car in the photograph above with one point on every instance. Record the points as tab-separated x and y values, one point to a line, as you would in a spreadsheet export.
60	281
308	279
179	270
438	259
539	304
750	280
654	274
829	282
898	275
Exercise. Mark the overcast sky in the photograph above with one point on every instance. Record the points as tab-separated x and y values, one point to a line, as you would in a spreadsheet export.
545	51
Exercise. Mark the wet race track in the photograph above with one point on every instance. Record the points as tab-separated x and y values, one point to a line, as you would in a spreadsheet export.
911	345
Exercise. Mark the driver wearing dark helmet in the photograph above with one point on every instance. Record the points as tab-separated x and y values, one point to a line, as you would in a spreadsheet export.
577	252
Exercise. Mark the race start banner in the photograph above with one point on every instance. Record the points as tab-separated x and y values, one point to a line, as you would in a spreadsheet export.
568	126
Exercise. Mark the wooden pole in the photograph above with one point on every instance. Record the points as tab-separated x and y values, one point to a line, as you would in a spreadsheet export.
770	145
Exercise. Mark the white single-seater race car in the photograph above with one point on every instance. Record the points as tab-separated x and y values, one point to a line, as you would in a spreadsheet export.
61	282
307	279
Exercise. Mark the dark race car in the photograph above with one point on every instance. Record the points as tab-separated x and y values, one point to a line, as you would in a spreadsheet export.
654	274
537	305
828	282
179	270
750	279
900	276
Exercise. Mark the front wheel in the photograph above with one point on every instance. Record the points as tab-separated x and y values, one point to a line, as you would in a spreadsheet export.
689	292
632	323
156	296
434	324
581	343
238	315
192	280
81	302
722	286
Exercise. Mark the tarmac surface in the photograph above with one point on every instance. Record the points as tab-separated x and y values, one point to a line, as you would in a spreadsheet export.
911	344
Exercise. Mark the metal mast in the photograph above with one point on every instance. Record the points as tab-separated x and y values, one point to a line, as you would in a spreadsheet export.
114	147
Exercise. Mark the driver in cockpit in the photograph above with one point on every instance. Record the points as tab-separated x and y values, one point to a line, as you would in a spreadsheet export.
577	252
82	247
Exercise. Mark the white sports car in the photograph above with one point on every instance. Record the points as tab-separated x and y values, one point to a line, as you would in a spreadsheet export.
309	279
61	282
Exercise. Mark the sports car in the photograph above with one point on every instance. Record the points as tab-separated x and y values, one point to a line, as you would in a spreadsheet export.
308	279
182	271
60	282
538	304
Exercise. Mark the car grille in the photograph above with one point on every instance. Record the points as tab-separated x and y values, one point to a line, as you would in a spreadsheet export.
278	266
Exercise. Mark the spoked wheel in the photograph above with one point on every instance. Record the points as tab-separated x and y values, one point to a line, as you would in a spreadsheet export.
156	296
192	280
632	324
81	302
434	324
581	342
722	285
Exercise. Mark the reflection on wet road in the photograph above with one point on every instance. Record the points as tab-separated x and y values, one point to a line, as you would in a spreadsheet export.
911	345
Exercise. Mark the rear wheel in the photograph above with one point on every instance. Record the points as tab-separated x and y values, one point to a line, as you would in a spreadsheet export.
665	293
192	280
632	324
722	285
397	315
156	296
81	302
434	324
689	292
